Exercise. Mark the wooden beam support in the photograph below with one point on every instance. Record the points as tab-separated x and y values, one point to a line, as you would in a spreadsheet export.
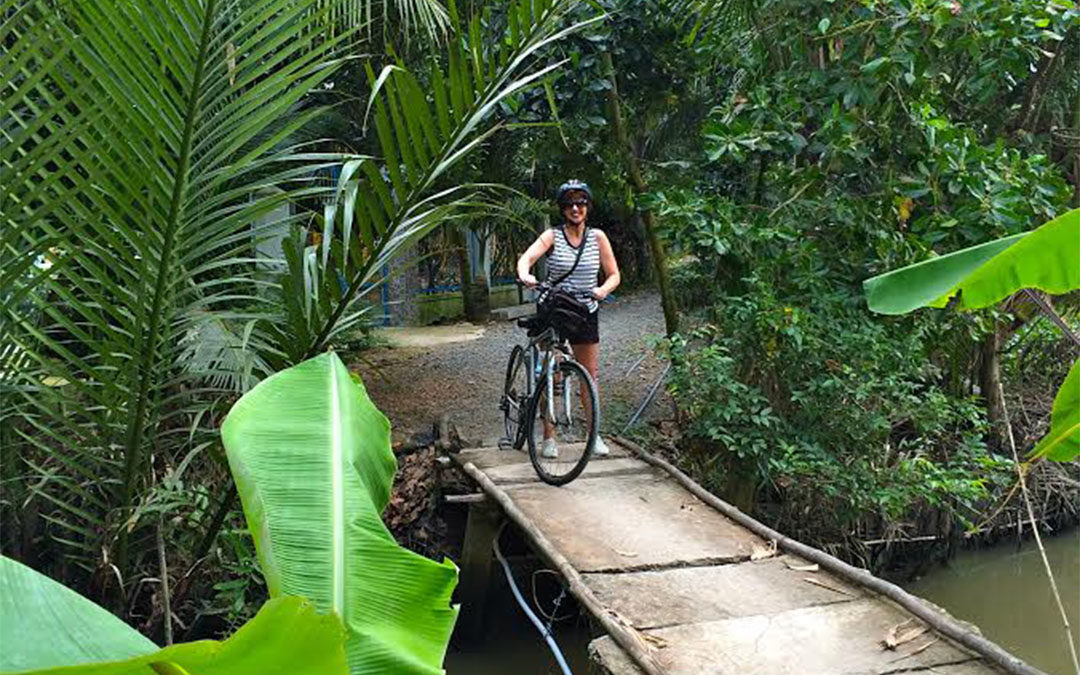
473	498
477	556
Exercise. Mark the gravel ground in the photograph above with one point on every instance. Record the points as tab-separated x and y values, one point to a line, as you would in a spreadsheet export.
415	385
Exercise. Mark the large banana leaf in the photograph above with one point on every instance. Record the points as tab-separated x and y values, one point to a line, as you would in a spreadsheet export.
311	457
47	628
384	205
137	138
1047	258
1062	444
44	624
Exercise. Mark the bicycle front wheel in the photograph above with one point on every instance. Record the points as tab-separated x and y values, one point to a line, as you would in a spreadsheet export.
563	422
515	398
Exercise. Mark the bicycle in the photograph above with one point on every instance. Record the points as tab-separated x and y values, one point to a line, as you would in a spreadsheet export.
546	389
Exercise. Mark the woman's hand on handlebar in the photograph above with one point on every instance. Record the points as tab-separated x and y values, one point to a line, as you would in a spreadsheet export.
529	280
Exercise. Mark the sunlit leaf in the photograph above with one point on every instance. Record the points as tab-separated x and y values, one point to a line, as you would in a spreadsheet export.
47	628
44	624
311	457
1062	443
1047	259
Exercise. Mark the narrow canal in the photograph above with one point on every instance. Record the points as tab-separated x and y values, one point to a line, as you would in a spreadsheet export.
1004	591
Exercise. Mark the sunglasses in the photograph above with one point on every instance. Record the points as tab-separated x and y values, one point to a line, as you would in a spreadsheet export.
582	203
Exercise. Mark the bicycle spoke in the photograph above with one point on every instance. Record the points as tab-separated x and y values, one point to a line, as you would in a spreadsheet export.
563	427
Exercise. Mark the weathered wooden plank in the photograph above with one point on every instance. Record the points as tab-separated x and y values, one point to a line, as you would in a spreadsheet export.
516	474
696	594
628	639
631	523
836	639
489	458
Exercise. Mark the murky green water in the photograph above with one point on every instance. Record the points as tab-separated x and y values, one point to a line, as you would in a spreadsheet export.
511	644
1005	592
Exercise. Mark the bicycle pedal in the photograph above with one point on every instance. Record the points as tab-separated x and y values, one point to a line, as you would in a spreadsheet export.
506	444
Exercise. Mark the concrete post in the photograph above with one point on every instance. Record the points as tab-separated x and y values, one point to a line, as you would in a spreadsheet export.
477	556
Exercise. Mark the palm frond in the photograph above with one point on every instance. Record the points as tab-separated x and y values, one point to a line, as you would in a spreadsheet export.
695	18
135	143
384	205
426	17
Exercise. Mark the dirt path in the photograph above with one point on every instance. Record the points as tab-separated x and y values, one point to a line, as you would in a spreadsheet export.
459	370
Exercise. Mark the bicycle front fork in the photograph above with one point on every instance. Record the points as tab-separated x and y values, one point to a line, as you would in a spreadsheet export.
556	390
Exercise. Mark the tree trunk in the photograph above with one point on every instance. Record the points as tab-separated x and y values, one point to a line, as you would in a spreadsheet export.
642	270
474	296
477	302
663	277
637	180
990	379
1044	73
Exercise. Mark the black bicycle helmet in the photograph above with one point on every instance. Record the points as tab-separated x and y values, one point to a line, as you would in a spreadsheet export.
573	185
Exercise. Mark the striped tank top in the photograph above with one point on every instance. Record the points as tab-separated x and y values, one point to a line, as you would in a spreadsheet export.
561	258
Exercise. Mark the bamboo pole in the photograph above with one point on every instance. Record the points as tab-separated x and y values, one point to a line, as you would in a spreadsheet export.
1000	393
163	572
935	618
631	643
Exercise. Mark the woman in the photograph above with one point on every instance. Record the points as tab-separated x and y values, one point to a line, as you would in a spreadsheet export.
561	245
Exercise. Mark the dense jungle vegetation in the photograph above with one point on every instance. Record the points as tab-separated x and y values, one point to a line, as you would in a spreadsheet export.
755	161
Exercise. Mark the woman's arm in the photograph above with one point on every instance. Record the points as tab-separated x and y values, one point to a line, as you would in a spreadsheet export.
532	254
609	265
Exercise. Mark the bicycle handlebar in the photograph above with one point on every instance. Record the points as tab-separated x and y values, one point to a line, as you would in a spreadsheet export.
543	287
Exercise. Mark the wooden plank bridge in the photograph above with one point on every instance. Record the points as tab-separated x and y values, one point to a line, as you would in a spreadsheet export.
681	582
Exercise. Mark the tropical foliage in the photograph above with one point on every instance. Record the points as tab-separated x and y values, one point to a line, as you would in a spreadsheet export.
838	141
150	160
311	457
1062	443
1046	259
197	197
58	628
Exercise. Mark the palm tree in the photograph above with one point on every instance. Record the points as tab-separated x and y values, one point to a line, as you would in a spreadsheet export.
138	142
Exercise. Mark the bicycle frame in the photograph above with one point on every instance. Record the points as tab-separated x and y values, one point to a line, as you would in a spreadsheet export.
541	357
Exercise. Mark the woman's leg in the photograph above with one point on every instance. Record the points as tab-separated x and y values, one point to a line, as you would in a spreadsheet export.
588	355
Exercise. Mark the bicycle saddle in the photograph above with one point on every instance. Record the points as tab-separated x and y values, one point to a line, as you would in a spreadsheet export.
533	324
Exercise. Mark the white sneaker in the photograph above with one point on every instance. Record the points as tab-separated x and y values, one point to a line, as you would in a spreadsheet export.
548	449
600	448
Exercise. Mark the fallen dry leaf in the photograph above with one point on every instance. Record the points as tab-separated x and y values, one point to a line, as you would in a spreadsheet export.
918	650
901	633
655	640
763	552
625	554
647	643
834	589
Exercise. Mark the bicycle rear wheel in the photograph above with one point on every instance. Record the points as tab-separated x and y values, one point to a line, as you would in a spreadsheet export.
515	398
572	420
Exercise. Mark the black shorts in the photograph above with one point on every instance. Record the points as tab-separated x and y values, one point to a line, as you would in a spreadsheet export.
585	333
